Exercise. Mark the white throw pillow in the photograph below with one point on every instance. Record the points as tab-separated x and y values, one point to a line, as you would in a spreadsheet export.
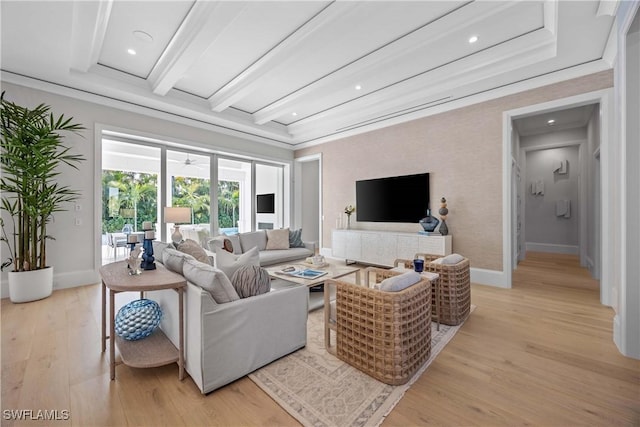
211	280
400	282
278	239
229	263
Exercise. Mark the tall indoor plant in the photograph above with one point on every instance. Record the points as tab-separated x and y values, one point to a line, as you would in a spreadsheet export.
32	151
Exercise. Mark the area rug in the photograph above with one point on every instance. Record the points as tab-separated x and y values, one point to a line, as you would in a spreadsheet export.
319	389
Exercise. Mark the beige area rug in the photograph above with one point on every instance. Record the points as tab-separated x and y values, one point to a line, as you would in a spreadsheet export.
319	389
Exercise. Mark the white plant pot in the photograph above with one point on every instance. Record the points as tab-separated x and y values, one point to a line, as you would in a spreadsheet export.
25	286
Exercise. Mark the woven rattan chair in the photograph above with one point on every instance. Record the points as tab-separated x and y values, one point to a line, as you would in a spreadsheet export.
455	288
386	335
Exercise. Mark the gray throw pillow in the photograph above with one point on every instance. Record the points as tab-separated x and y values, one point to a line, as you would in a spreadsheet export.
253	239
211	280
229	263
295	238
251	280
174	259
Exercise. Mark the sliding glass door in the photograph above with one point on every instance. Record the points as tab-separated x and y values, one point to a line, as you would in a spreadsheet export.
189	185
130	193
234	196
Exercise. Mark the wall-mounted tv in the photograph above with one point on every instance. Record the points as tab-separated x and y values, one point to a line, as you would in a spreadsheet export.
393	199
266	203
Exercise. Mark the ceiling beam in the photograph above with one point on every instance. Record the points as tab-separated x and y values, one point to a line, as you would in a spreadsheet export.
430	33
247	81
89	26
496	62
202	26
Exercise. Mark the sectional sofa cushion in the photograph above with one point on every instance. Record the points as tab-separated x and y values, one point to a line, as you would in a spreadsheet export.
278	239
251	280
229	263
174	260
211	280
194	249
253	239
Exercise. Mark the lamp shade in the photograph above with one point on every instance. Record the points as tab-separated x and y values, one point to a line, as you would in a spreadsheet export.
177	215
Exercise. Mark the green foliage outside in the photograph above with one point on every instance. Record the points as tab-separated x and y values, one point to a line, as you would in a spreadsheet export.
131	198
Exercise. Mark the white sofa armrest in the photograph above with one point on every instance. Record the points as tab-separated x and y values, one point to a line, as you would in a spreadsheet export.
224	342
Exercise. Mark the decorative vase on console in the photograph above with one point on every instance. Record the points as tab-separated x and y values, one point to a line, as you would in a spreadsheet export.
148	261
429	223
348	210
443	211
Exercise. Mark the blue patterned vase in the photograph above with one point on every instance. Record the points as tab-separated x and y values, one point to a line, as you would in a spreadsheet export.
138	319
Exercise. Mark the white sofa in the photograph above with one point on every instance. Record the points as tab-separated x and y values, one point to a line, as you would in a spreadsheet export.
224	342
242	242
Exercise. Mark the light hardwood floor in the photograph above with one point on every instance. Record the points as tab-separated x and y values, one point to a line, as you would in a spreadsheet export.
538	354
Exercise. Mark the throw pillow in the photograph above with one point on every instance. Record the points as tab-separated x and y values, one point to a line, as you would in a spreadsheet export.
235	243
211	280
251	280
158	249
295	238
173	259
194	249
229	263
253	239
278	239
400	282
452	259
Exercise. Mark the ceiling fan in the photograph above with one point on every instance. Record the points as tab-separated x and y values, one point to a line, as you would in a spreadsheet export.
189	162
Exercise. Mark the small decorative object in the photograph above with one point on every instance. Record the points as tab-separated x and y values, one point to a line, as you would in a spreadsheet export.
444	230
349	209
134	261
148	261
418	265
429	223
138	319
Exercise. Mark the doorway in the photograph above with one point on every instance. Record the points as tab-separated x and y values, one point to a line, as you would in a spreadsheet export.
594	108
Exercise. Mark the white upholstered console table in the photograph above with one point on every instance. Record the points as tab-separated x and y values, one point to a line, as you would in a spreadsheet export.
384	247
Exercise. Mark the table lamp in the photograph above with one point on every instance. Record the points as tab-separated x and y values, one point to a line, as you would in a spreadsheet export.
177	216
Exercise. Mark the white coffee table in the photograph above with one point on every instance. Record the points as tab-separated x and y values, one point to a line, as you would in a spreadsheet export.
334	269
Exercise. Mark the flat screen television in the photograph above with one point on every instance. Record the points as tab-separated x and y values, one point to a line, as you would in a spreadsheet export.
266	203
393	199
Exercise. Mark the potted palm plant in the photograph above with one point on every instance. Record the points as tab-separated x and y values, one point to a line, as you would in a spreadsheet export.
32	152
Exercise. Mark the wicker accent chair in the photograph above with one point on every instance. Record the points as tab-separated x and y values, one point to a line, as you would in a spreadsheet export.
386	335
455	287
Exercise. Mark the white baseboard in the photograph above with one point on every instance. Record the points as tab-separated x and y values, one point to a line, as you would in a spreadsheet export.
478	275
62	281
556	249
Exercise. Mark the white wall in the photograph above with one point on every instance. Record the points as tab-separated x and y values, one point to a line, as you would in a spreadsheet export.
622	204
74	254
593	220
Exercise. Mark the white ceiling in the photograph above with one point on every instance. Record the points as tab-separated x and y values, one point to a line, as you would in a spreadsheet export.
285	72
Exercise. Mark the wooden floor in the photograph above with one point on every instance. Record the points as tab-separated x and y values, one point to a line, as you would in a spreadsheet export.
539	354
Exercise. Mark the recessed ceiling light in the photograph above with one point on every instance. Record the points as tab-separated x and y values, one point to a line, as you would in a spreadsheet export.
358	87
294	114
473	39
143	36
131	51
551	122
